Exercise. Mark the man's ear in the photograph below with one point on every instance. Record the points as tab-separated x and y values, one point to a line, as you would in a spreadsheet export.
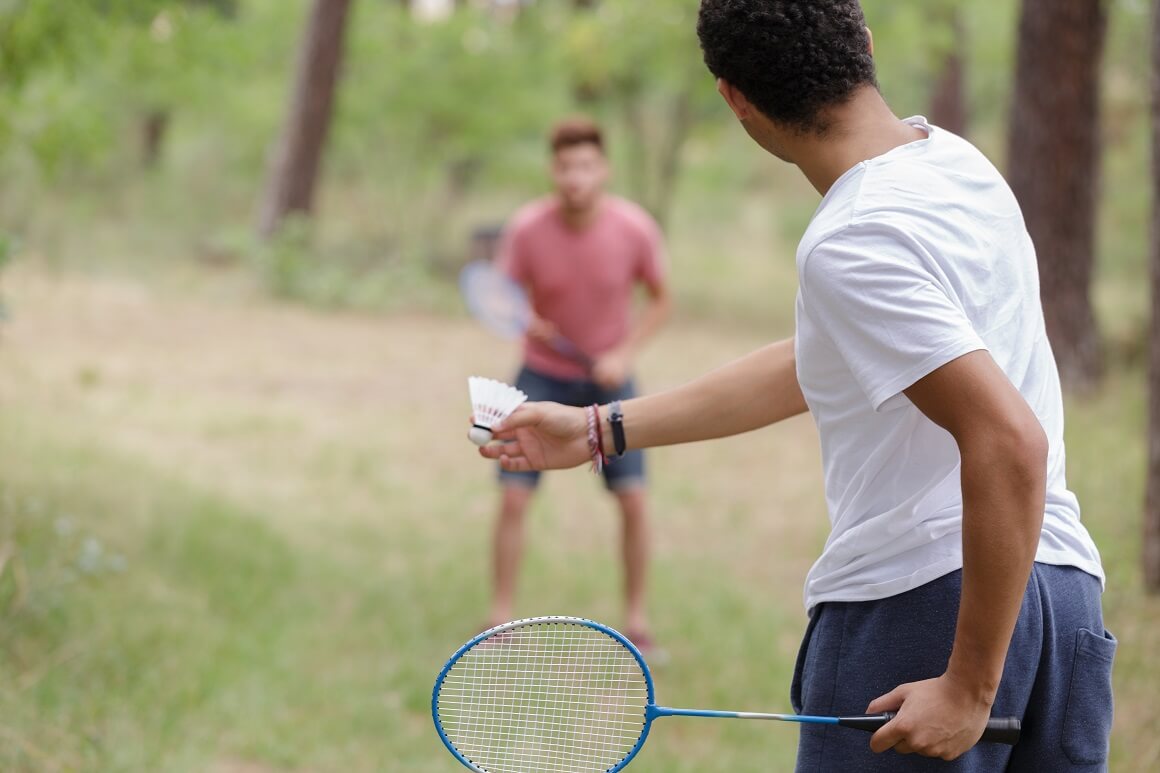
738	103
870	37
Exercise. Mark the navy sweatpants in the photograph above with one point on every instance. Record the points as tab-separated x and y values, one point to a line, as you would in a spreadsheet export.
1057	677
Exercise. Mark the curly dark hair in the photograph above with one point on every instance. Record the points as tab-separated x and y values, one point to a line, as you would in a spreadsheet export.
790	58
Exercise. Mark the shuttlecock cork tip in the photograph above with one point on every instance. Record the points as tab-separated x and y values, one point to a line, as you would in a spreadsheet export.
481	436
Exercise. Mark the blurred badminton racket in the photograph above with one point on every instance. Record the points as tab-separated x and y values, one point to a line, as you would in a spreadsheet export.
502	306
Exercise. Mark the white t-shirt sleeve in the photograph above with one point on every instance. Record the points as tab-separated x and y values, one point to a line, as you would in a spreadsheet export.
886	312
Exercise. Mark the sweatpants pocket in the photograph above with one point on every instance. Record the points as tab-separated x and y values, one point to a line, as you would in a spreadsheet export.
1087	720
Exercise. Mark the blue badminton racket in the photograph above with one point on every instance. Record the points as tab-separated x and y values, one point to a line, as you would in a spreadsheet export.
502	306
567	695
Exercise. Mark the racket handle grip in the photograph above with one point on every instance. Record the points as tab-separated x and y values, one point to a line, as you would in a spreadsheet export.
999	729
1002	730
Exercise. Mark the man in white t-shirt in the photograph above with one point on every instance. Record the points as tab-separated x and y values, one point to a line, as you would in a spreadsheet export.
958	582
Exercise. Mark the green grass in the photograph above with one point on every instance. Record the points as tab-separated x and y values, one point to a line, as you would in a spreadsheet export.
230	562
220	639
242	537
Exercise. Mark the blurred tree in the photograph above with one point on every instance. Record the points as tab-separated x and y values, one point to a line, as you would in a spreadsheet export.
34	33
167	71
948	103
1151	545
63	73
642	63
470	98
295	163
1054	168
227	8
154	57
915	47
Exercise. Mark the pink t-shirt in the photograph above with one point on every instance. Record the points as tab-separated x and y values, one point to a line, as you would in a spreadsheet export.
581	280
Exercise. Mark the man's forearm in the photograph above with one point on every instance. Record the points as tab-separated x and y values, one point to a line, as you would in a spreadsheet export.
752	392
654	316
1004	484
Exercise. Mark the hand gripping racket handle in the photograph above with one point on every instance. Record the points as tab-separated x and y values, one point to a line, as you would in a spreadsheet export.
999	729
565	347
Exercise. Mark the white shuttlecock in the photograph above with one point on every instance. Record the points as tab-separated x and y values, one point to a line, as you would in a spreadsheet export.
491	402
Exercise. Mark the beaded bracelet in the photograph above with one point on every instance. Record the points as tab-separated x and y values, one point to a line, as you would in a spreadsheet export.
594	448
600	436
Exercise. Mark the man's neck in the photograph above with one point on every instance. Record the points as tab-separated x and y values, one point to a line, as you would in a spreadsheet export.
862	129
579	219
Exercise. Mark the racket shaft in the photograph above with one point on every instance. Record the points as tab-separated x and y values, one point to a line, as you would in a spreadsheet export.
565	347
999	729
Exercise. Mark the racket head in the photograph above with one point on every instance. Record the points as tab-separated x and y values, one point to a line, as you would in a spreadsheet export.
545	695
495	299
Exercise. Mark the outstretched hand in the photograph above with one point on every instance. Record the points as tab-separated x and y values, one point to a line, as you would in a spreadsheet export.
540	436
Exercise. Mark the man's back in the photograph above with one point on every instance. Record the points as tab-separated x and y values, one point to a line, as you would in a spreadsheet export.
913	259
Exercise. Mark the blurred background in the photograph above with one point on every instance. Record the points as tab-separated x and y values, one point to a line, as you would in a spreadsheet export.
240	526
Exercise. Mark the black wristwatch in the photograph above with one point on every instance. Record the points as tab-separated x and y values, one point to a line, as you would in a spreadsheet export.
616	421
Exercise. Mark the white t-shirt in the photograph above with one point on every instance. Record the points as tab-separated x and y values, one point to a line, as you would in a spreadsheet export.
913	259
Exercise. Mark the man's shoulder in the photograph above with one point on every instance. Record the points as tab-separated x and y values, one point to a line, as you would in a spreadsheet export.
834	215
631	214
531	214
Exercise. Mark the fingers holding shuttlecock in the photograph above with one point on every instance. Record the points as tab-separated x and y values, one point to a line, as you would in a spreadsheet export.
491	402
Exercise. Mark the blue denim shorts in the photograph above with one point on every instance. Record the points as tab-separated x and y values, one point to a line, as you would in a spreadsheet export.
1057	678
620	474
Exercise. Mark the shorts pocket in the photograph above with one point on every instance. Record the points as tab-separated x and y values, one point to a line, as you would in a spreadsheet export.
1087	719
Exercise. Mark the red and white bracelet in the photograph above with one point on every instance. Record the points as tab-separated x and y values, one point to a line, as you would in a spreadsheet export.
595	438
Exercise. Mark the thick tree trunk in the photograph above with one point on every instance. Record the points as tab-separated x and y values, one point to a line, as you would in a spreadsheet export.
297	158
948	103
1151	555
1054	168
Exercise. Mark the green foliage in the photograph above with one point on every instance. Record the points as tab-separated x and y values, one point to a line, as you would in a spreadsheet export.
81	77
651	85
465	88
911	41
34	33
440	126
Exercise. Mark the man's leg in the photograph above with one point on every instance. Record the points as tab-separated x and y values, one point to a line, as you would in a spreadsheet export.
507	549
625	478
634	545
1068	719
517	490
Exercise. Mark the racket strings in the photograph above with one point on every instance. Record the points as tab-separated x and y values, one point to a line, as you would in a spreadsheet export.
545	698
495	299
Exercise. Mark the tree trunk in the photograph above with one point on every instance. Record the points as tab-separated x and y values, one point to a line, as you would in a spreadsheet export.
154	127
948	103
631	99
1054	169
1151	555
680	125
295	163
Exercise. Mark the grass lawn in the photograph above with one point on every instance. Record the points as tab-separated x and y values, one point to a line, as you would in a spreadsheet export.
241	537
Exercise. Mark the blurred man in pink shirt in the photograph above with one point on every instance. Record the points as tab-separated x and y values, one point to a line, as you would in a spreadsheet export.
580	253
